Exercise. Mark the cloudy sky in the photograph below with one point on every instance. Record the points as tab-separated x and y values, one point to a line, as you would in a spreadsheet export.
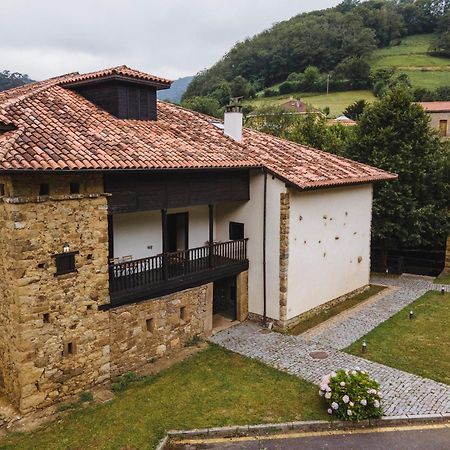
170	38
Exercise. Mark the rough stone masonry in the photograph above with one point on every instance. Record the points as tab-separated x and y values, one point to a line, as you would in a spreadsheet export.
55	341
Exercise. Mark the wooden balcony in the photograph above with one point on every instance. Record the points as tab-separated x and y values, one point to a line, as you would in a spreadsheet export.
163	274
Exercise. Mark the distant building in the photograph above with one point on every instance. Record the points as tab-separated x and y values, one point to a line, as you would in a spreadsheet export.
342	120
299	107
440	116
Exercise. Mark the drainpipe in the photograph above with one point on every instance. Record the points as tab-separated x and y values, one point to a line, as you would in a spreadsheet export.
264	251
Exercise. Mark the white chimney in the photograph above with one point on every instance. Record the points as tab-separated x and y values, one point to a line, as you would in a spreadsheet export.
233	122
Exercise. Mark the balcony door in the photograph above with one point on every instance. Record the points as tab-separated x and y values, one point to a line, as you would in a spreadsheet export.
177	232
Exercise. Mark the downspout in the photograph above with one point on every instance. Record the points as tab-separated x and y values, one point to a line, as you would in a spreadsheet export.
264	251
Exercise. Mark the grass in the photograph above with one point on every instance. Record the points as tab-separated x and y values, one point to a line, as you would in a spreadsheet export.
334	310
411	57
212	388
444	279
336	101
420	346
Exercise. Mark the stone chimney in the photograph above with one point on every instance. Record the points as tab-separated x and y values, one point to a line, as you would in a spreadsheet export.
233	122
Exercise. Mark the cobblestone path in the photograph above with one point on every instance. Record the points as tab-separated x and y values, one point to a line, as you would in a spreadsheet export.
403	393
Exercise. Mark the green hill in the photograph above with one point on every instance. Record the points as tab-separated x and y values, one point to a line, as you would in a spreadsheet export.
410	56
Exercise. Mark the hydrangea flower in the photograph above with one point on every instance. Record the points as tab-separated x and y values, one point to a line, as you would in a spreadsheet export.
376	403
342	383
351	404
349	412
321	392
330	411
328	395
364	402
334	405
345	398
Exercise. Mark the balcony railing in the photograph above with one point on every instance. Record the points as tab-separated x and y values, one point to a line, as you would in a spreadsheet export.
154	275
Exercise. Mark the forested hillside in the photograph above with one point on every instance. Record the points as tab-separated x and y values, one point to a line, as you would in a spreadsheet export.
9	79
339	38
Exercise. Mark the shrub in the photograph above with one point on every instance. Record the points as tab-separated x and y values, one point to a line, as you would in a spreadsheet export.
351	395
125	380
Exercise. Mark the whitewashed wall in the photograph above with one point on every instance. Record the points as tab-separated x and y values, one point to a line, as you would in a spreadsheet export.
329	245
251	214
135	232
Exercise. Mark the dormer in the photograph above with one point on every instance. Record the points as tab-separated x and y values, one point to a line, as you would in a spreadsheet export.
123	92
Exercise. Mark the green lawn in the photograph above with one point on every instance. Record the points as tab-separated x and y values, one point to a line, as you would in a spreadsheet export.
336	101
443	280
411	57
213	388
420	345
334	310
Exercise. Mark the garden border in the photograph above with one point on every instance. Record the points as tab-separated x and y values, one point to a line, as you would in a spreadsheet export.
312	425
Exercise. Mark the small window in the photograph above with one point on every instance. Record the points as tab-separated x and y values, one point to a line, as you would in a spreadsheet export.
150	325
183	313
65	263
46	318
69	348
44	189
74	188
236	231
2	190
443	124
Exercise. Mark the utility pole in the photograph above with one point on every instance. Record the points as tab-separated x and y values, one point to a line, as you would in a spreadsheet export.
328	84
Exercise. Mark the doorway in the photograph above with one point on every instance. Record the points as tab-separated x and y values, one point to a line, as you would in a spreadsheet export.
177	232
225	298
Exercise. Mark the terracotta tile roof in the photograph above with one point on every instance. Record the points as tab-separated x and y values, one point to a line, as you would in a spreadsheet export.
121	71
57	129
435	106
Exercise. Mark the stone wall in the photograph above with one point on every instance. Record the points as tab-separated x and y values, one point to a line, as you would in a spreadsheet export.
56	341
284	253
157	327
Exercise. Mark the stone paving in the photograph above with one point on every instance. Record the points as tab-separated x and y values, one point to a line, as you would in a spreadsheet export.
402	393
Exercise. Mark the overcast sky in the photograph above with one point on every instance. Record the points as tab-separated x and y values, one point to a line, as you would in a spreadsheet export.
170	38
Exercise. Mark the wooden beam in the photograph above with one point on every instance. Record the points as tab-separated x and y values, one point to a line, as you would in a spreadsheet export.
165	245
211	233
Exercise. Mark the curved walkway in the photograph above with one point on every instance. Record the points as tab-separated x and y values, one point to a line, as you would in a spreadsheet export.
403	393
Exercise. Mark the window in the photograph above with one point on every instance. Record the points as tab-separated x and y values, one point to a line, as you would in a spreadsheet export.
69	348
44	189
150	325
2	189
46	318
183	313
74	188
443	124
65	263
236	231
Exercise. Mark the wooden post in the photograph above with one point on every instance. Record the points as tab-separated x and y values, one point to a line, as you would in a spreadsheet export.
211	233
164	244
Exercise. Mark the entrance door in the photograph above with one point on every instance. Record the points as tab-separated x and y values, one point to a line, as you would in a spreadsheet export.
177	232
225	297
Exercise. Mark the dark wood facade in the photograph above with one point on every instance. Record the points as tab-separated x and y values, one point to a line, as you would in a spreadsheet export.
122	99
175	189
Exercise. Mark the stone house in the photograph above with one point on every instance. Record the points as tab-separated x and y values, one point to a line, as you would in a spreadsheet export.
439	113
130	225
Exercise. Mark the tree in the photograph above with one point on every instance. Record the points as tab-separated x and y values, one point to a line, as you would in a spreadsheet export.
240	87
222	93
394	135
204	105
355	70
355	110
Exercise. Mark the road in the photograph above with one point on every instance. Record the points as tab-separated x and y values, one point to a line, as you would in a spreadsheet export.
424	437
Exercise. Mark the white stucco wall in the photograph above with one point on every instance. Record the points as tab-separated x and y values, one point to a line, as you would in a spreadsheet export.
135	232
251	214
329	232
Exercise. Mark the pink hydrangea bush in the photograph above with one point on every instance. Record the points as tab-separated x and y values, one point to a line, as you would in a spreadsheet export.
351	395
